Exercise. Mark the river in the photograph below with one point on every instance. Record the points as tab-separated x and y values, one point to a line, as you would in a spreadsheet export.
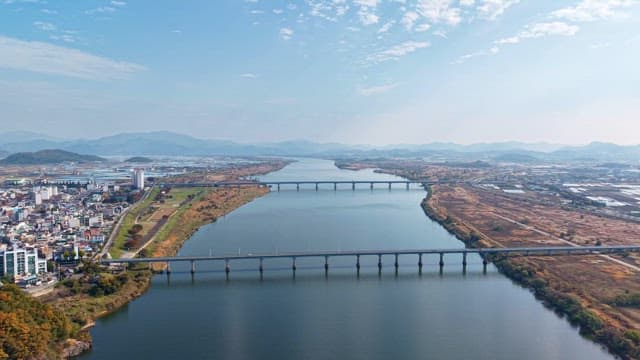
433	315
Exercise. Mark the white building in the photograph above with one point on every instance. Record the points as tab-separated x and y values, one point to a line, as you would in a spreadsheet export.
138	179
20	262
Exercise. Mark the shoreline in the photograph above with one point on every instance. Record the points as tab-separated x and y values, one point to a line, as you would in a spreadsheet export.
203	210
143	282
525	274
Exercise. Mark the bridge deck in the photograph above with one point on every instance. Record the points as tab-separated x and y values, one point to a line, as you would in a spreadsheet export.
526	251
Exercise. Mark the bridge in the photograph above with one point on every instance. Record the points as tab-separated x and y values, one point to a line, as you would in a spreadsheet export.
357	254
299	183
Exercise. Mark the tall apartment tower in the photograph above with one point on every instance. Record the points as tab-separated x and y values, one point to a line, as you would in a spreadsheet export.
138	178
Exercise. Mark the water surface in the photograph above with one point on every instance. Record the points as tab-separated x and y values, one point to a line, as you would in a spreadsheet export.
433	315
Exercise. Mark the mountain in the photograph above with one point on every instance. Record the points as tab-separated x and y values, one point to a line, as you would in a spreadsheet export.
598	151
138	159
47	157
24	136
174	144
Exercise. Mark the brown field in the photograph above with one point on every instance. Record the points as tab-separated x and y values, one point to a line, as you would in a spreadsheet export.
507	220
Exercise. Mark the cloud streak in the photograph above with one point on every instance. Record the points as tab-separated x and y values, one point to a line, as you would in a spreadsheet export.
397	51
376	90
51	59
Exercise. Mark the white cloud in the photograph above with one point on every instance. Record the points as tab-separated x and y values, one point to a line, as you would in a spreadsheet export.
491	9
439	11
550	28
49	11
249	75
591	10
368	3
277	11
397	51
467	2
63	37
100	10
466	57
376	90
422	27
45	26
286	33
47	58
541	30
118	3
409	19
367	16
385	28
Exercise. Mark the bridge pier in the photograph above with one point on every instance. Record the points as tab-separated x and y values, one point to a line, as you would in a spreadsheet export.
261	268
395	263
278	187
371	186
326	264
379	262
407	186
358	262
193	267
316	186
293	264
420	261
441	260
464	259
298	186
335	186
389	186
353	185
484	265
227	266
168	267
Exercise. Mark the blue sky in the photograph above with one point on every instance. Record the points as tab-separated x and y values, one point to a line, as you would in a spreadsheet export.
353	71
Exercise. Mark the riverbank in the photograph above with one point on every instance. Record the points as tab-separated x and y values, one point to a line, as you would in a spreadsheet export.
97	292
564	297
83	308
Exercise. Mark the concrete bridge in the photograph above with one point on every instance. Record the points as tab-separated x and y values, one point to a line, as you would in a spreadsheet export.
315	183
357	254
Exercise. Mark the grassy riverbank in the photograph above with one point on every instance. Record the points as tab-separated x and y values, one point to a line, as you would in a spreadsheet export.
99	292
560	295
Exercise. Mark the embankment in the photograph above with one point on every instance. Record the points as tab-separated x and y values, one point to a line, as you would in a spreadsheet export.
531	275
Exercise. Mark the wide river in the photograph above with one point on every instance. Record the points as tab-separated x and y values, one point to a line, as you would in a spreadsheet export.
433	315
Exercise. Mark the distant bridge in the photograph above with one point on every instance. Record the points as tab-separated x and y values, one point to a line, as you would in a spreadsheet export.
519	251
316	183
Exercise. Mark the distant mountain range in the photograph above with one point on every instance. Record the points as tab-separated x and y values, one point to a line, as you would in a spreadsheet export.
47	157
173	144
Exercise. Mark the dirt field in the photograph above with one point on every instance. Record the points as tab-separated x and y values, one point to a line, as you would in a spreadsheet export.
508	220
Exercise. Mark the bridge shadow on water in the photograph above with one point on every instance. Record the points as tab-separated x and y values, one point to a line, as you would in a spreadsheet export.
317	274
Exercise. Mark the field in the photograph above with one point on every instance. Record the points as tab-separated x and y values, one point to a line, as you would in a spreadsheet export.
599	284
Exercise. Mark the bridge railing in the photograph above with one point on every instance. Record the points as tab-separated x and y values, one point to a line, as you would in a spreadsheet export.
485	253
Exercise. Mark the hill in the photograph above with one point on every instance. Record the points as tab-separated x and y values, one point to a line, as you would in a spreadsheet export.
47	157
30	329
139	159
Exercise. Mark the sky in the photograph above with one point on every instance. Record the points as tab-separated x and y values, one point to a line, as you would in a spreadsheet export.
351	71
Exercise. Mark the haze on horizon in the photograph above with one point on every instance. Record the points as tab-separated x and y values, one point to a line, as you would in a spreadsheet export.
352	71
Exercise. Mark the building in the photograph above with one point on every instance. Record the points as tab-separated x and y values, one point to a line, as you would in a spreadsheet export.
138	179
21	262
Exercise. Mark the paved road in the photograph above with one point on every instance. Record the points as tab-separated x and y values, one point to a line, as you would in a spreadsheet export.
116	228
544	233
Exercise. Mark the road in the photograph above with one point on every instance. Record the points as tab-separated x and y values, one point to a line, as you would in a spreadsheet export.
544	233
116	228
